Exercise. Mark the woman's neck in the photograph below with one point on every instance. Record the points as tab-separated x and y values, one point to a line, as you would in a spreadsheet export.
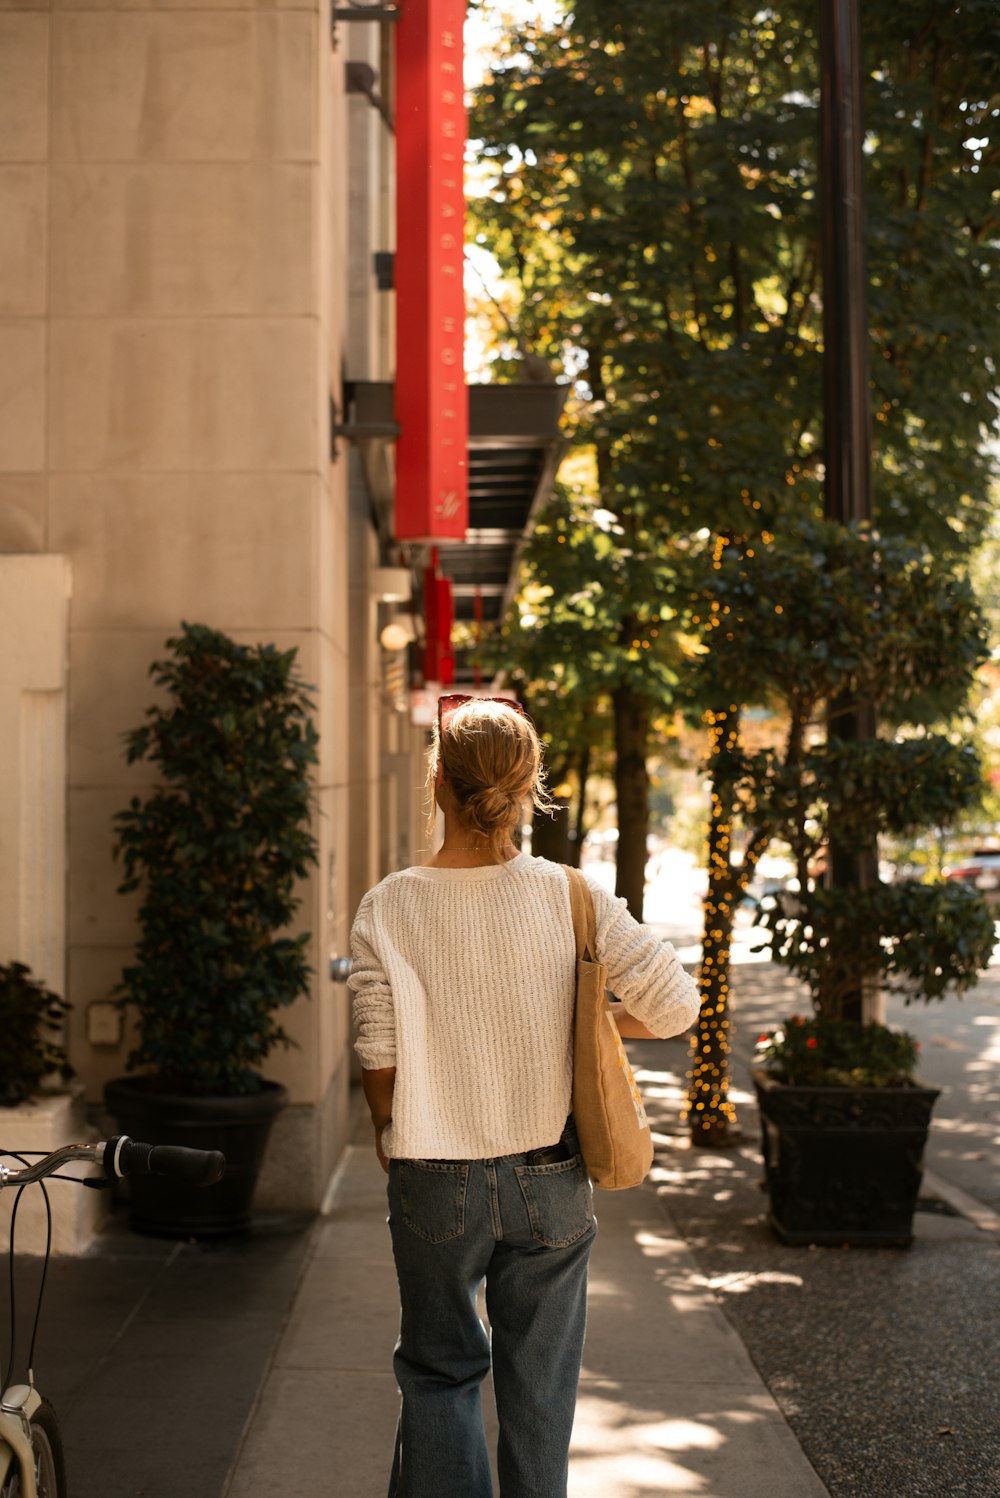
462	849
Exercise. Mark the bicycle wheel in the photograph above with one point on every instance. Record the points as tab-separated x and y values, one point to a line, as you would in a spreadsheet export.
50	1466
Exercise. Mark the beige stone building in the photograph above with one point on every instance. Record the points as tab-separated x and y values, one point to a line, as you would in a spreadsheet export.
191	202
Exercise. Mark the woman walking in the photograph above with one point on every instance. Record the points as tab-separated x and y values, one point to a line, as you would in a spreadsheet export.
463	980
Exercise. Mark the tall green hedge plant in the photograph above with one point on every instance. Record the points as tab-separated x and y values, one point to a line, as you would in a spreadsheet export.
217	849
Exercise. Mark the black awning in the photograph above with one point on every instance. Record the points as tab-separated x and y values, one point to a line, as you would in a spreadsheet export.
515	445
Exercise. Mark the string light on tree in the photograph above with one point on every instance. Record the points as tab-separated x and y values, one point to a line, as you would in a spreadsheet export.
710	1112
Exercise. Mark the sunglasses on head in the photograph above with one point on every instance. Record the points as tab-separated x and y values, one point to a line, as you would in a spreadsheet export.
448	704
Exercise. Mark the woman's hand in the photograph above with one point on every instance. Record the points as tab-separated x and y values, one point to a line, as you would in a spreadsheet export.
630	1028
378	1088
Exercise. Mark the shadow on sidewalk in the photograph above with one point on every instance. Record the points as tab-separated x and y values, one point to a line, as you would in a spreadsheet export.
879	1358
669	1401
152	1352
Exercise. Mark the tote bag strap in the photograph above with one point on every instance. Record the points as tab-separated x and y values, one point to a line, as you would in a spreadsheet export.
582	907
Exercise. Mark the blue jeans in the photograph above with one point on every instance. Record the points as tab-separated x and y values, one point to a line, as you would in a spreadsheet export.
527	1230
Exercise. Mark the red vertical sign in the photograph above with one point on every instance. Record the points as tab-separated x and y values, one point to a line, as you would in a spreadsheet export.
439	613
431	404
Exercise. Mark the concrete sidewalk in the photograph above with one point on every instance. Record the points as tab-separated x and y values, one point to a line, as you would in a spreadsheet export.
669	1399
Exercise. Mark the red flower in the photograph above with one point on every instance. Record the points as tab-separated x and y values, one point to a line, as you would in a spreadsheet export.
812	1042
763	1039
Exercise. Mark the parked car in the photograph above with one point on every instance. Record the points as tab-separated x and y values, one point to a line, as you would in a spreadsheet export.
981	869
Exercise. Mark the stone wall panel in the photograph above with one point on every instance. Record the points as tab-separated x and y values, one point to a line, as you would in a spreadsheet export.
22	395
23	217
183	395
233	550
187	240
183	86
22	512
24	90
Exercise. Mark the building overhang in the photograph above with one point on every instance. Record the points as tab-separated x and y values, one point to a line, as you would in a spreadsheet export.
515	445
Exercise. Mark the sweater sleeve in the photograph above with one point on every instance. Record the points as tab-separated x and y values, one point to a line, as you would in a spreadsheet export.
374	1013
644	972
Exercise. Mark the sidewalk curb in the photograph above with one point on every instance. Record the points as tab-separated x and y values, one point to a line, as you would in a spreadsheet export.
265	1372
670	1399
966	1206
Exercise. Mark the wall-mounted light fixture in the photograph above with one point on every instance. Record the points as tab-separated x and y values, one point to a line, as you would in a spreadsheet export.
392	584
361	78
398	633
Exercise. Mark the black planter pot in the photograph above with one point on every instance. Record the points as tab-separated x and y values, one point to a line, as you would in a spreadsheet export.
843	1164
238	1126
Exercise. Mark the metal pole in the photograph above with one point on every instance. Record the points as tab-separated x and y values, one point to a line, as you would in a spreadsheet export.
846	422
847	445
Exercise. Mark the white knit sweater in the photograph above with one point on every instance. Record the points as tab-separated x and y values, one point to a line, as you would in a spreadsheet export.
464	981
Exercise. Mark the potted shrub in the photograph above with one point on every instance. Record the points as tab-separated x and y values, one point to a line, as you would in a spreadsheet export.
31	1019
216	850
40	1110
821	616
844	1125
844	1121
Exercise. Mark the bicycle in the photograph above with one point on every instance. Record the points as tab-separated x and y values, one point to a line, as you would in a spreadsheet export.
32	1462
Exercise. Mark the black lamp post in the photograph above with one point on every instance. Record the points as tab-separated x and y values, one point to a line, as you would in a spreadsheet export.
846	421
847	447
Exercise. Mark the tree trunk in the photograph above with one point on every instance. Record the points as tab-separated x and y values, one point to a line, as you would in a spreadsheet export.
632	789
852	868
550	836
579	829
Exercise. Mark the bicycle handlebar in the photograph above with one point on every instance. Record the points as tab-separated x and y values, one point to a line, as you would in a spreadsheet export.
128	1157
123	1156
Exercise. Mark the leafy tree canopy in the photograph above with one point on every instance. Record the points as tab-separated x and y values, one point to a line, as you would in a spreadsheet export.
655	200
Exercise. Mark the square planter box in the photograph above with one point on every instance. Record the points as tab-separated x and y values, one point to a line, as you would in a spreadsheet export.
238	1126
47	1122
843	1164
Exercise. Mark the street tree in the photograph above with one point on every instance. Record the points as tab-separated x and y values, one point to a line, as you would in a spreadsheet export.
653	199
593	627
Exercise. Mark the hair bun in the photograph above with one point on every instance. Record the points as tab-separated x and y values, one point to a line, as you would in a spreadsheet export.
491	806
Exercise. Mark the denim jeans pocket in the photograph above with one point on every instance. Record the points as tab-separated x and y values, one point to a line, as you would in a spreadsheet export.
432	1198
559	1200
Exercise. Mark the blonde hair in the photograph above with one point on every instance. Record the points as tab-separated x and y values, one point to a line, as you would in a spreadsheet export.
491	757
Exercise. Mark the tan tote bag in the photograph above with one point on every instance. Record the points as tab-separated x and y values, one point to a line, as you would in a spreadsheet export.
611	1123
